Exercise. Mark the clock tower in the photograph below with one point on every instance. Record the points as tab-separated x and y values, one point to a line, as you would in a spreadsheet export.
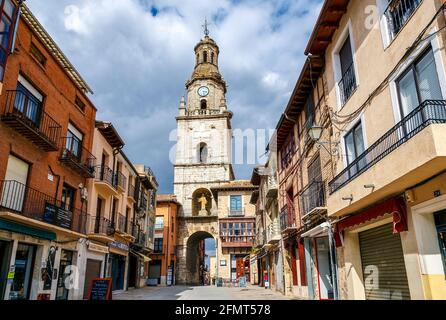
203	157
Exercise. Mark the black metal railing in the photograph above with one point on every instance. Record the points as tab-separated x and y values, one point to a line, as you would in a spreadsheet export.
30	203
313	196
131	191
104	173
287	218
347	84
429	112
79	157
103	226
121	223
120	180
29	110
398	13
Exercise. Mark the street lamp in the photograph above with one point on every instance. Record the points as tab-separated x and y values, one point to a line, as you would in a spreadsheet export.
315	134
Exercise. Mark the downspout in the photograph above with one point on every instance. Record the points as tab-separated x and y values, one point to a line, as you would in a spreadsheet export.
16	26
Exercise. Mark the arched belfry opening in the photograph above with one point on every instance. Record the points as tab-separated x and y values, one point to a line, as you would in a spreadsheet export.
202	153
203	104
201	202
205	56
212	58
200	245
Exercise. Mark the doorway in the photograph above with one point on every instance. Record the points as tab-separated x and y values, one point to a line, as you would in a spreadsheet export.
118	271
325	277
66	261
133	262
5	257
93	271
24	267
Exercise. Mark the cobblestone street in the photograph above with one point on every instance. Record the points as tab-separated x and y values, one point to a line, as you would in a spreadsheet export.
200	293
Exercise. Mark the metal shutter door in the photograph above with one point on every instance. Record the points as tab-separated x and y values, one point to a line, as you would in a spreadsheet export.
382	249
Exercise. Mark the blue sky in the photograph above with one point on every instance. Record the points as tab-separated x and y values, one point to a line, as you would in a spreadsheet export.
137	54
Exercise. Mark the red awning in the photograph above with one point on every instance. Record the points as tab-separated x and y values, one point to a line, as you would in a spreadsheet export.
394	206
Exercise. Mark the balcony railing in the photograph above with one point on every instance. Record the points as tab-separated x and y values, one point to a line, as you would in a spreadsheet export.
287	218
398	13
159	226
347	85
312	197
77	157
237	241
429	112
102	226
122	223
30	203
237	212
131	191
105	174
120	180
25	114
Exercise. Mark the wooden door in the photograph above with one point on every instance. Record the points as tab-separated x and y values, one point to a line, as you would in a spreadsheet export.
240	267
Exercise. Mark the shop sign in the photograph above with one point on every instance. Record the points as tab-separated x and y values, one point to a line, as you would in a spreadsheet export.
97	248
119	245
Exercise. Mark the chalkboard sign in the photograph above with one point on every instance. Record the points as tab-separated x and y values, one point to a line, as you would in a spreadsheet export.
101	289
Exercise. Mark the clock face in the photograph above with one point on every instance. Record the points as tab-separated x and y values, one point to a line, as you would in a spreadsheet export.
203	91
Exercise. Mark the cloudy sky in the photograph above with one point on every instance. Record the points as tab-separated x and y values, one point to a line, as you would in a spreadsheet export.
137	54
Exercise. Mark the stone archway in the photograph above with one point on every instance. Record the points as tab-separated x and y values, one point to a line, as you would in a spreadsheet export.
192	231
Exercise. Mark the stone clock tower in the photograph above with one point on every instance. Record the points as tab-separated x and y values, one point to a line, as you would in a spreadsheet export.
203	157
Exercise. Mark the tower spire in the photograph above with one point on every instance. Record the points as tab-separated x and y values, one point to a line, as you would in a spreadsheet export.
205	27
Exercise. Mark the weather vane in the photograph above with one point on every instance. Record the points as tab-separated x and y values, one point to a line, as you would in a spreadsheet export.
205	27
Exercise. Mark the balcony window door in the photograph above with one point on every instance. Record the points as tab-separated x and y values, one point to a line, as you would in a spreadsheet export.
419	83
7	13
13	192
28	101
158	246
354	146
68	194
348	80
74	141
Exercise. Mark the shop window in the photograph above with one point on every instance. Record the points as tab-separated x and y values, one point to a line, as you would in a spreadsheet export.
7	13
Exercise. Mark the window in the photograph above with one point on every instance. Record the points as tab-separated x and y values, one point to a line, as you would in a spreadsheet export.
347	84
79	103
205	56
287	152
440	222
203	105
159	223
212	57
398	13
236	205
7	13
309	113
28	101
37	54
202	153
158	245
240	232
68	198
419	83
74	141
354	146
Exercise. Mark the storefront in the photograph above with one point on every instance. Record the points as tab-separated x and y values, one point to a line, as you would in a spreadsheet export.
118	264
93	267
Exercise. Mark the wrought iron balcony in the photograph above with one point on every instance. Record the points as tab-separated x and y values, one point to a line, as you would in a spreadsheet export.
122	223
347	85
398	13
120	181
77	157
102	226
287	219
105	174
25	114
22	200
429	112
131	192
236	212
312	198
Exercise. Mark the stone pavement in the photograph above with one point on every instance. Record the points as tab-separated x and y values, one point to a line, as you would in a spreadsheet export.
200	293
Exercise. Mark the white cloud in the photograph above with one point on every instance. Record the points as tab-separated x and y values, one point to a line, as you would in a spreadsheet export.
137	63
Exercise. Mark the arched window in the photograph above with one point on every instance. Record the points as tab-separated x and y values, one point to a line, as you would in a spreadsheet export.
202	152
212	57
205	56
203	105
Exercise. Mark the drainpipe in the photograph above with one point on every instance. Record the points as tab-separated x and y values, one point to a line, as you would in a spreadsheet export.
16	25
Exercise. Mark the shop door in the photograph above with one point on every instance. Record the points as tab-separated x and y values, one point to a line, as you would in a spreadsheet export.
118	271
133	261
93	271
324	269
13	191
440	222
24	267
240	267
5	257
383	265
65	270
155	270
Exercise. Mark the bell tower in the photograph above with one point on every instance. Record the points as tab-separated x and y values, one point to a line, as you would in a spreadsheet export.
203	155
